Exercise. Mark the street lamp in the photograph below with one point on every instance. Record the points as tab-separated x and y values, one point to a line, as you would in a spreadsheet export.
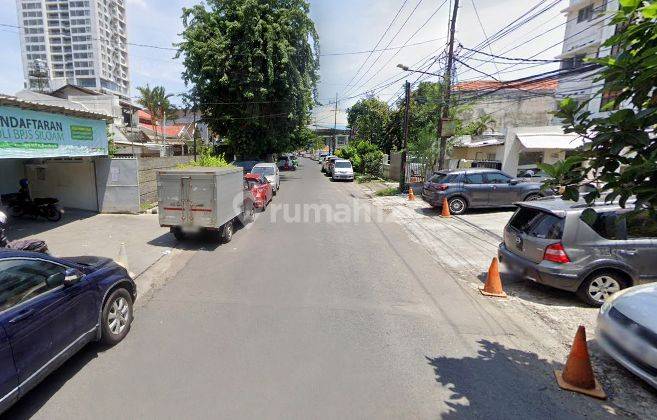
406	68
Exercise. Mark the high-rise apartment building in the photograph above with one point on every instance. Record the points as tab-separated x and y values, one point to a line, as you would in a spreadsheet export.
80	42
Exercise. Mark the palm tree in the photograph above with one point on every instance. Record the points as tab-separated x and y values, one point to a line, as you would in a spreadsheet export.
156	101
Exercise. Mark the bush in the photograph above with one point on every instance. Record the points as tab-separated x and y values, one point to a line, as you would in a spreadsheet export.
373	163
365	157
206	159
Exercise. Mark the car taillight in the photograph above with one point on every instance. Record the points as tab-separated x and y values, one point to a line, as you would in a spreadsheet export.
442	187
556	253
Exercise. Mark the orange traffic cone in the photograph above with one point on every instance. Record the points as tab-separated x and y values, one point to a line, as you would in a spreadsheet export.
578	373
493	285
445	210
411	194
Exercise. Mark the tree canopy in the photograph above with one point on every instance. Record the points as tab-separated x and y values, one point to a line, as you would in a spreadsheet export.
369	119
252	70
620	153
156	101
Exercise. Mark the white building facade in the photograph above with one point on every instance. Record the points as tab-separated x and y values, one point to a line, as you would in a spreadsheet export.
587	28
78	42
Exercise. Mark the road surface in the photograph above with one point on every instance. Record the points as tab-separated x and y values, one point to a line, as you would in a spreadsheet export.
313	318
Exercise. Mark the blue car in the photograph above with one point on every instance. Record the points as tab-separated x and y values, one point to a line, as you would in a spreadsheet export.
52	307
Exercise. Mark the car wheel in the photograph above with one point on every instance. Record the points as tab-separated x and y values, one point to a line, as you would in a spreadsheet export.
599	286
177	233
457	205
533	197
116	317
227	232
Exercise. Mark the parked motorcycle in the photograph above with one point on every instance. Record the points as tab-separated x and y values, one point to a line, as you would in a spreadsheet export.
19	206
34	245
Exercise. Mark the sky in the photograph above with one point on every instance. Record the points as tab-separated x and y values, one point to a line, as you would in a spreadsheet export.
344	26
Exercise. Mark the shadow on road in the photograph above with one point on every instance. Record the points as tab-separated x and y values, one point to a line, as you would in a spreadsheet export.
505	383
23	227
30	404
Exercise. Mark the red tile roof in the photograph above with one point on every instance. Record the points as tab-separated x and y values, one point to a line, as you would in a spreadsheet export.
484	85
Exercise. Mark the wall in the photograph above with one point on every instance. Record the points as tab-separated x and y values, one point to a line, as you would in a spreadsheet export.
147	175
12	171
395	165
72	181
513	109
117	182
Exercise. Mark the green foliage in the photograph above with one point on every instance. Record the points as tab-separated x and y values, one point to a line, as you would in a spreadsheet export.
253	70
620	153
386	192
206	159
365	157
369	118
111	147
156	101
476	127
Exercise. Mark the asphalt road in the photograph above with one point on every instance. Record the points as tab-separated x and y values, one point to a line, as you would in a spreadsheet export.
313	319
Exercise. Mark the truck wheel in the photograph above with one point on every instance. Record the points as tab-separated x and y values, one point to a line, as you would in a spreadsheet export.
227	232
177	233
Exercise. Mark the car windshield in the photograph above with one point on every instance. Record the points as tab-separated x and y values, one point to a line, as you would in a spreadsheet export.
264	170
343	164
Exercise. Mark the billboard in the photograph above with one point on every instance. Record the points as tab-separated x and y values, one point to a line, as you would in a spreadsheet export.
34	134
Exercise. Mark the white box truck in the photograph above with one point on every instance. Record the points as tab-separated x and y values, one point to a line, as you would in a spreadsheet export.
203	199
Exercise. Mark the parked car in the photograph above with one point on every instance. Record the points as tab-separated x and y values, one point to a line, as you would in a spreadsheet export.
627	330
329	165
260	188
552	242
271	173
476	188
50	308
246	165
286	163
325	162
199	200
342	170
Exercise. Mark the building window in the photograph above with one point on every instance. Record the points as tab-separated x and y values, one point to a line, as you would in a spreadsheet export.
585	14
573	62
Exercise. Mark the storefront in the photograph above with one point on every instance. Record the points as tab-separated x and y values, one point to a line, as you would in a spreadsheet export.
54	147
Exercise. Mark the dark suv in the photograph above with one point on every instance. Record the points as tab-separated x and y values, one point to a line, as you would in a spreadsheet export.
477	187
552	242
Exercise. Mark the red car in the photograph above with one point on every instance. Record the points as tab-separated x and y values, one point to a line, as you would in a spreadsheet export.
260	188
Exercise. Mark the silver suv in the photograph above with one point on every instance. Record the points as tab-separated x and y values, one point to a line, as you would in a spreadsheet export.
550	242
478	187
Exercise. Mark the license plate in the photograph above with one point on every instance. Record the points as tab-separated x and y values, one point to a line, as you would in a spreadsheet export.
190	229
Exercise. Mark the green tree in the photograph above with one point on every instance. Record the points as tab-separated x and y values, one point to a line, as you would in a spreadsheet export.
619	152
253	70
157	103
369	118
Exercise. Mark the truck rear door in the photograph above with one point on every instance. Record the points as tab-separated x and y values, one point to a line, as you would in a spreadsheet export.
199	204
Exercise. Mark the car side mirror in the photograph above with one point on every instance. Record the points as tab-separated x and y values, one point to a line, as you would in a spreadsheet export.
514	181
55	280
72	276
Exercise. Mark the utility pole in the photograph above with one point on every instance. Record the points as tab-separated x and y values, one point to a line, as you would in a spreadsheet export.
447	87
194	127
402	167
335	126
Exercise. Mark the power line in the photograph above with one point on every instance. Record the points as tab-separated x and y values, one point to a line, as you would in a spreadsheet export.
407	41
394	19
380	49
511	58
380	55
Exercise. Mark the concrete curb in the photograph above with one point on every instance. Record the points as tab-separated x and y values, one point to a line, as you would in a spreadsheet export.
158	273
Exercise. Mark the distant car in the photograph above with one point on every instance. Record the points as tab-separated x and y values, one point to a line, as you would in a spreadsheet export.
627	330
342	170
477	188
320	158
326	161
286	163
533	174
50	308
553	242
246	165
271	174
260	188
329	164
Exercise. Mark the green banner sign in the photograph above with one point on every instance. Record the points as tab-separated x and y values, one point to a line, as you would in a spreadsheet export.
34	134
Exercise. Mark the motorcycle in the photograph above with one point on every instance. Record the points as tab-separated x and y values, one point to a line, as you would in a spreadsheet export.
34	245
46	207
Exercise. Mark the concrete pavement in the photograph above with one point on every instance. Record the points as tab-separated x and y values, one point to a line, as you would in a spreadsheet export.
314	318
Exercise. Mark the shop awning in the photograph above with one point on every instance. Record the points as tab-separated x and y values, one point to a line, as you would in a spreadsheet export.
550	141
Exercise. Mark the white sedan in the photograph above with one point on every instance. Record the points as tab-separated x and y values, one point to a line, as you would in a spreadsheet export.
271	174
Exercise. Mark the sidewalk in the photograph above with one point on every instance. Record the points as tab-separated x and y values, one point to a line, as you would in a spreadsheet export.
465	245
87	233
